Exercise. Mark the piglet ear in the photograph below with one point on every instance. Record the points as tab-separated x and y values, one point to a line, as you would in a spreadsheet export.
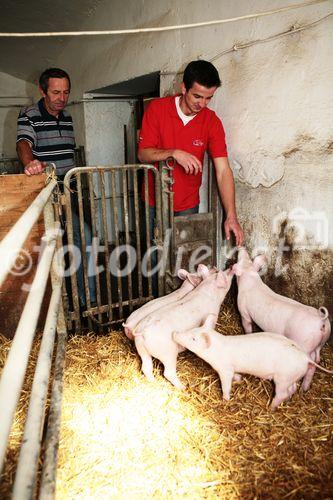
203	271
236	268
221	280
194	279
259	262
182	274
207	339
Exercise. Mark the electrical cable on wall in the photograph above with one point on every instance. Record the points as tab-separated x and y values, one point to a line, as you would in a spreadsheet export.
163	28
292	30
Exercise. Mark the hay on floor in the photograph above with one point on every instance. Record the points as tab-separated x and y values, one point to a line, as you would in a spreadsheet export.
123	436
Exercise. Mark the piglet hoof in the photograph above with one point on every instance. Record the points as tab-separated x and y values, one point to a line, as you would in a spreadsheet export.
149	376
237	377
273	408
305	387
178	384
174	381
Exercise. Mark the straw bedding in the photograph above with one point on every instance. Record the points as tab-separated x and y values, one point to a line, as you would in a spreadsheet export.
125	437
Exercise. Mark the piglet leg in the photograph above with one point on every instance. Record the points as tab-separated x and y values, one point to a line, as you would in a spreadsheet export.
306	382
247	323
226	381
170	368
281	394
147	361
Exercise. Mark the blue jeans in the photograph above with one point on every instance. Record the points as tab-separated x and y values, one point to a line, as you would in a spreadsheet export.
78	243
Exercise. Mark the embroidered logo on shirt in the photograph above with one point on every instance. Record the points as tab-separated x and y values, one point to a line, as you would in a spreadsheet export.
197	142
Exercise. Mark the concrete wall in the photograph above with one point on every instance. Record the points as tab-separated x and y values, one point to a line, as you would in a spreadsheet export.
14	94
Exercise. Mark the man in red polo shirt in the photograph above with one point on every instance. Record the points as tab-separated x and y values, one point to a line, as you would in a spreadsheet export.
182	127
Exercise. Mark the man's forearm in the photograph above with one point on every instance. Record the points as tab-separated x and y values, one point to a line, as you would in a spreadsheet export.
24	152
226	186
151	155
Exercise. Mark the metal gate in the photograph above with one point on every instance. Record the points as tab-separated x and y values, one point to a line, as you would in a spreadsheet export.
115	241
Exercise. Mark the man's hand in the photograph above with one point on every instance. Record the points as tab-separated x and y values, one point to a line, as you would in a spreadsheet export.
232	225
34	167
190	163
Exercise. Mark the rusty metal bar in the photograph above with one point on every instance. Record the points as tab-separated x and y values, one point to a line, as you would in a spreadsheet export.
214	207
57	214
148	235
167	213
106	246
137	230
83	248
158	228
127	240
70	240
93	216
116	228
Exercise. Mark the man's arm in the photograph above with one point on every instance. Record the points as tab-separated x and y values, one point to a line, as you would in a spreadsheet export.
190	163
24	153
226	187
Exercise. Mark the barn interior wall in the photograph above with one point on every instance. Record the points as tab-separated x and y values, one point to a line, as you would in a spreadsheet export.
275	103
14	93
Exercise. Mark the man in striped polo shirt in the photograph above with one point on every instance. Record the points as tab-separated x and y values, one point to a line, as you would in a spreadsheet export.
45	130
45	135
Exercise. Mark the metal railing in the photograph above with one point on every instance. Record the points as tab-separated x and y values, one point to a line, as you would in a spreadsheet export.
13	374
108	201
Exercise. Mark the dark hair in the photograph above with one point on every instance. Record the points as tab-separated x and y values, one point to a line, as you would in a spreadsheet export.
52	73
202	72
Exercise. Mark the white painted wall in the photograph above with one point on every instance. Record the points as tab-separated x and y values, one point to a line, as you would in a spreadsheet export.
105	146
14	94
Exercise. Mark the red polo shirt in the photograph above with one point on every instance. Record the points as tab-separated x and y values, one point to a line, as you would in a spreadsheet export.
162	128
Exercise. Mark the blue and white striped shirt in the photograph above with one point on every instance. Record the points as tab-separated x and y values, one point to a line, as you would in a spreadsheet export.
52	139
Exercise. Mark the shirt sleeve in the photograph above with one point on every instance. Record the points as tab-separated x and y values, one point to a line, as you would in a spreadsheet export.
216	141
149	133
25	129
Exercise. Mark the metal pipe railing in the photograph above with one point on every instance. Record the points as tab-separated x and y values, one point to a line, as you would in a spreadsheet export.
48	483
25	478
12	243
15	367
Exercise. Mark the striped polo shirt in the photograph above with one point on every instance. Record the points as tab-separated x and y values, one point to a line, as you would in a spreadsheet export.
52	139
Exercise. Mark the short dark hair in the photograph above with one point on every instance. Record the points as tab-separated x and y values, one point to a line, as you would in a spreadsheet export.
52	73
202	72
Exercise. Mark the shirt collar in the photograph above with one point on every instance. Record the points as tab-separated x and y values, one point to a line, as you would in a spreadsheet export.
45	114
197	118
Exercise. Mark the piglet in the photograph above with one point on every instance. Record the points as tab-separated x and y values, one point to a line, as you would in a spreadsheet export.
265	355
307	326
190	281
153	334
